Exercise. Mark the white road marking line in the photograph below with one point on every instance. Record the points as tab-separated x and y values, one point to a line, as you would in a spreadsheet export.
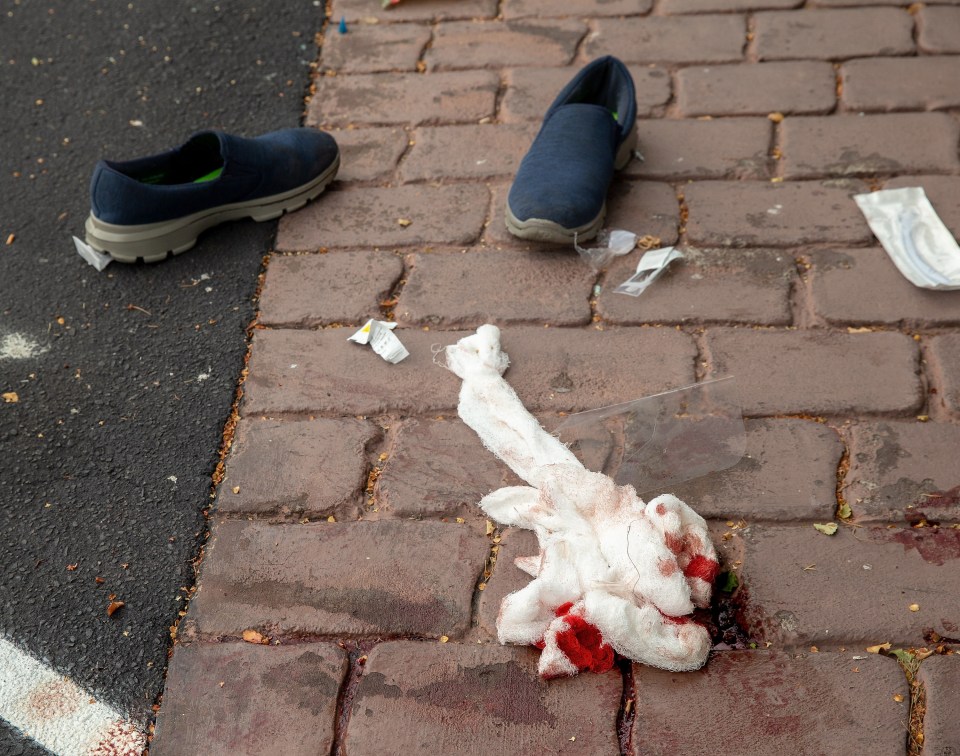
58	714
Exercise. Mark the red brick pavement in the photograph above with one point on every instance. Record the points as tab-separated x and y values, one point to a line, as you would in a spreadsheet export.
346	544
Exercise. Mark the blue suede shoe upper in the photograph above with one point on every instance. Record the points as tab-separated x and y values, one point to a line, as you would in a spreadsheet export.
565	175
170	185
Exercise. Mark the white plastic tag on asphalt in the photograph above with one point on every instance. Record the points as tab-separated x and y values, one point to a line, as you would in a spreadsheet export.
58	714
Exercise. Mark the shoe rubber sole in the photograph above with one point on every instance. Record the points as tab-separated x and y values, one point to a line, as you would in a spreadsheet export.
153	242
541	229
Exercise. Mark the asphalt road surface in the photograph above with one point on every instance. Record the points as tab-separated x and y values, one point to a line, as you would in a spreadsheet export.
117	384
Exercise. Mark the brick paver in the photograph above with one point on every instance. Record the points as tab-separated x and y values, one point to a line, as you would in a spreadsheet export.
425	475
852	589
693	149
869	144
757	89
314	468
944	357
474	151
346	530
354	284
467	289
786	703
402	215
833	34
241	698
940	676
788	472
656	39
460	699
938	29
523	42
748	286
879	84
372	48
818	373
455	96
368	154
862	287
904	471
730	214
342	579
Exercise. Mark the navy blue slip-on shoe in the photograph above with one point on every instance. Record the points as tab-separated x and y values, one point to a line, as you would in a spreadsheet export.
155	206
589	132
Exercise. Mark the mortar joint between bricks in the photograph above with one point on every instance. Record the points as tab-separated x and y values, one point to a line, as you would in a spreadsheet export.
750	54
628	709
495	534
357	652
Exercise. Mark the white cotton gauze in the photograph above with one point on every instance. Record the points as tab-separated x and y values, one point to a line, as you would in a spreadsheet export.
613	573
911	232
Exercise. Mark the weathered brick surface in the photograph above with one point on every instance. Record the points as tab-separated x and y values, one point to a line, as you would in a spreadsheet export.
744	214
659	39
943	354
346	579
862	287
547	8
371	48
450	698
523	42
235	699
472	151
851	589
355	10
507	577
451	97
706	285
372	218
879	84
313	467
940	676
943	193
818	372
788	472
757	89
785	703
833	34
869	144
855	3
438	468
644	207
466	290
714	149
938	29
530	91
353	284
706	6
553	369
367	154
904	471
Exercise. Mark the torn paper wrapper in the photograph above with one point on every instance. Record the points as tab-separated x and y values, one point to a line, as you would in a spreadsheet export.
379	335
98	260
614	573
651	265
920	245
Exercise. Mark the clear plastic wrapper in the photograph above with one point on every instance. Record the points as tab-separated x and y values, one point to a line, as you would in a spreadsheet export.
660	441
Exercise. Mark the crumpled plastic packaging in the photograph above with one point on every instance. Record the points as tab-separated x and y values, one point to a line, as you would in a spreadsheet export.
614	573
609	243
911	232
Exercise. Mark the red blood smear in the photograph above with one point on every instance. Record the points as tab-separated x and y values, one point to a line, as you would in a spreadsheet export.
703	568
583	645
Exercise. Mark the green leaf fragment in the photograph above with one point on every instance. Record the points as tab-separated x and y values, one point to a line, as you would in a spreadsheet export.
845	512
728	582
828	528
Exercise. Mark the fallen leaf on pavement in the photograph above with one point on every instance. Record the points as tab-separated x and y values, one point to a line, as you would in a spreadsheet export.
828	528
113	606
